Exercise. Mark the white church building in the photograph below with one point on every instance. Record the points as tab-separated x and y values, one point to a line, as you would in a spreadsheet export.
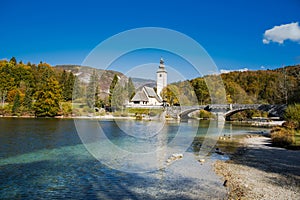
147	96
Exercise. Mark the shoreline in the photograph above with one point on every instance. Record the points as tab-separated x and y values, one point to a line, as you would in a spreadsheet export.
258	170
110	116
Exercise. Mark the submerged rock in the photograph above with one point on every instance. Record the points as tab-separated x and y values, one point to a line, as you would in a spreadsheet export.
174	157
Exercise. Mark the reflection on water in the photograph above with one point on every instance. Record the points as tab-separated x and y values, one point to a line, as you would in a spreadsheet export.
44	159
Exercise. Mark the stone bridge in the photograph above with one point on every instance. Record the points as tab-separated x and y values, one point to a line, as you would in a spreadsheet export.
223	111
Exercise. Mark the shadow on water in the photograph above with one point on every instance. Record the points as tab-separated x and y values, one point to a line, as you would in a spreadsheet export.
89	179
19	135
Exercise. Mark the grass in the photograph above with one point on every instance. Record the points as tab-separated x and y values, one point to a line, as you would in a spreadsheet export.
146	111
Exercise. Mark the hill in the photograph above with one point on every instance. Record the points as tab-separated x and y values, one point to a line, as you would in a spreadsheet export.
140	82
84	73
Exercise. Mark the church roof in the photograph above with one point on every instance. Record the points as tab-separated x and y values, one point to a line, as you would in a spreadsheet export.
145	94
140	96
150	91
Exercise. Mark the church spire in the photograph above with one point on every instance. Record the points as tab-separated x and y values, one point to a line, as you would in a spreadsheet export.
161	63
161	60
161	81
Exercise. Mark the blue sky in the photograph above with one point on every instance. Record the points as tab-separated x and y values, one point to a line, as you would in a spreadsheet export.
232	32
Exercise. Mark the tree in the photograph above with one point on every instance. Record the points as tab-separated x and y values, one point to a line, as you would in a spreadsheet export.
111	88
27	103
63	78
292	114
16	104
91	91
171	94
78	90
130	89
201	90
48	94
3	94
119	96
67	87
13	61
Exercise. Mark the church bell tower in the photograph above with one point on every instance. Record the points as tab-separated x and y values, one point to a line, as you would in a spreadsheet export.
161	80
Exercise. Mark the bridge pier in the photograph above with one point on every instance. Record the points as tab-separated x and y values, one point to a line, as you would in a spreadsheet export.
220	116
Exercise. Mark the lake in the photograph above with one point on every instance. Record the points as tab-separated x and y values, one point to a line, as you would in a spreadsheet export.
46	159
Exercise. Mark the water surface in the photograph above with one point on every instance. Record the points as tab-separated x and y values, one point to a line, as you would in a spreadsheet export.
45	159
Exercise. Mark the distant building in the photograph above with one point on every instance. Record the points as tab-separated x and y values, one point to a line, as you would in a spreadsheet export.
161	77
147	96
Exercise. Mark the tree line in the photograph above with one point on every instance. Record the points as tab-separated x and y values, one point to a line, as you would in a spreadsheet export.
280	86
41	90
30	89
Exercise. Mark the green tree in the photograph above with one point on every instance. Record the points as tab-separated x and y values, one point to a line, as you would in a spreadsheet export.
91	91
78	90
16	104
13	61
119	96
27	103
63	78
130	89
67	87
111	89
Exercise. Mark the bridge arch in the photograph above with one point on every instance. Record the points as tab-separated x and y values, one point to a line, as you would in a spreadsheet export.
228	114
185	114
226	110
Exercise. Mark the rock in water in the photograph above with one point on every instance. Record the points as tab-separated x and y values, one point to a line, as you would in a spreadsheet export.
175	156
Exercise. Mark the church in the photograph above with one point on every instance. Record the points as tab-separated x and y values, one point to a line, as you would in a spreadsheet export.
147	96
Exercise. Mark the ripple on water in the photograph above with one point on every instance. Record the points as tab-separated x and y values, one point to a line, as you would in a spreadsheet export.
65	170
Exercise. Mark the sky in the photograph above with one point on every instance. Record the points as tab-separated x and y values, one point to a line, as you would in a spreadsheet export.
257	34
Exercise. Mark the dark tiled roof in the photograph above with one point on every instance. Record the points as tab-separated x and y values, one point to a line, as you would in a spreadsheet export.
140	96
150	92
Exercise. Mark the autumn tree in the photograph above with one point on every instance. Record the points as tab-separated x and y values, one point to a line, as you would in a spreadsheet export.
48	94
171	94
201	90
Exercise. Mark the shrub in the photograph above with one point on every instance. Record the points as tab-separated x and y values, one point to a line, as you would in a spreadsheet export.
203	114
282	137
66	108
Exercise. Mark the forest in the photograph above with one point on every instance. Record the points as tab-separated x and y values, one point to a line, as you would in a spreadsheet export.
44	91
279	86
34	90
